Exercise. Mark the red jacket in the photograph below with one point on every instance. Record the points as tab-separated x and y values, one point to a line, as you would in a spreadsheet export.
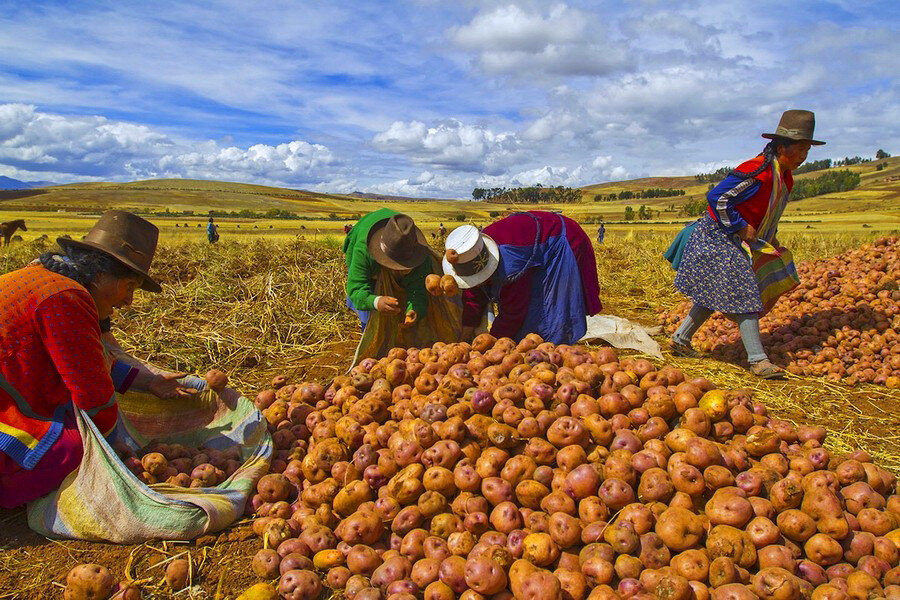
734	202
51	357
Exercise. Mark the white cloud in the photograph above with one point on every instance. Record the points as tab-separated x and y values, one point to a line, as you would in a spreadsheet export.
450	144
561	42
95	147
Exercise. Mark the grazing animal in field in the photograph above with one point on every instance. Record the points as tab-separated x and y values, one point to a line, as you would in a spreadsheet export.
17	238
43	238
8	228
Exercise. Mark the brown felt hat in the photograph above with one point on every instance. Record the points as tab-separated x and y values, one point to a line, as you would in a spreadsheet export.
796	125
396	243
126	237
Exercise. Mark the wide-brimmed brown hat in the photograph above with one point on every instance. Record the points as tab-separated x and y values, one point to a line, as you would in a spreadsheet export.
126	237
796	125
396	243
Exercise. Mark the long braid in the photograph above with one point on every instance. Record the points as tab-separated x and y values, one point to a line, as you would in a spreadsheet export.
83	265
65	268
769	153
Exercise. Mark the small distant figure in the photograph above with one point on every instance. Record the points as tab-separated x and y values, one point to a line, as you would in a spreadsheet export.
442	231
212	231
347	228
601	233
8	228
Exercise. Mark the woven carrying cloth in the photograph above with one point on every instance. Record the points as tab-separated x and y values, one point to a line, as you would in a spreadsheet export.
442	322
103	501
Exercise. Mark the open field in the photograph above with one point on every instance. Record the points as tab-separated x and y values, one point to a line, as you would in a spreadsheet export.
264	306
269	299
72	208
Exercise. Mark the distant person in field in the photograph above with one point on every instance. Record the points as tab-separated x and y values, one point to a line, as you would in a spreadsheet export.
730	260
54	358
386	239
601	233
538	267
347	228
442	231
212	231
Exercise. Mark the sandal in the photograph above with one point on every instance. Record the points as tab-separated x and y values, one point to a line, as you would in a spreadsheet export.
766	370
686	350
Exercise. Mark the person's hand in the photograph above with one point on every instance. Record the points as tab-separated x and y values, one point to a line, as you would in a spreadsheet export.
167	386
747	233
411	318
387	304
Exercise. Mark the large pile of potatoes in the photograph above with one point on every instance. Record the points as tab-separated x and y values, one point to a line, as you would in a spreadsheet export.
841	322
534	471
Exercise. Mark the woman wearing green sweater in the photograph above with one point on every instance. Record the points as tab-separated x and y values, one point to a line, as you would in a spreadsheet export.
386	239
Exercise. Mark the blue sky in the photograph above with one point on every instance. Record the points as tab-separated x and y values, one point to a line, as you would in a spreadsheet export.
428	98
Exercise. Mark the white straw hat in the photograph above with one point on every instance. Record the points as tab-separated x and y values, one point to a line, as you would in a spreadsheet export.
478	256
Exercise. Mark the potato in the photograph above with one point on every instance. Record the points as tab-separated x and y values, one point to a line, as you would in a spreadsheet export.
178	574
300	584
774	583
433	284
88	582
484	576
266	564
259	591
679	529
216	380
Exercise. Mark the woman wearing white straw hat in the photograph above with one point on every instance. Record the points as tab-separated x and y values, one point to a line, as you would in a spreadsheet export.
538	267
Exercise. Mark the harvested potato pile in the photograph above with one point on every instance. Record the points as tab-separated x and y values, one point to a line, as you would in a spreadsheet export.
841	322
538	472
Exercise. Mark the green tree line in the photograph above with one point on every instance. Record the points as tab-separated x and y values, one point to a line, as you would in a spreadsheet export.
536	194
640	195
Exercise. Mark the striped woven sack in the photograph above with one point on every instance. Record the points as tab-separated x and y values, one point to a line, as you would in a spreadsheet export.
103	501
442	323
775	272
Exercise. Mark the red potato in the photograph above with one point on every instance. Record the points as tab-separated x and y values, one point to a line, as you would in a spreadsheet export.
300	585
216	380
87	582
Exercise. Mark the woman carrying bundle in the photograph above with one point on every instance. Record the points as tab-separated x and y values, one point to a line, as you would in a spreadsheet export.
732	261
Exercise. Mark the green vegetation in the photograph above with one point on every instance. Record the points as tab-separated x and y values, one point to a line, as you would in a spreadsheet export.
833	181
536	194
649	193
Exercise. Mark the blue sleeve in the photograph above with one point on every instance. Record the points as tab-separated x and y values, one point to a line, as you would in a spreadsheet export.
122	375
724	198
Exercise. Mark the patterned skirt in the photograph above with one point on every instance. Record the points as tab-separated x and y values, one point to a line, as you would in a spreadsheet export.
716	273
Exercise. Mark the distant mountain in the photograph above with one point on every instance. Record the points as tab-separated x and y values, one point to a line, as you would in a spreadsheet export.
8	183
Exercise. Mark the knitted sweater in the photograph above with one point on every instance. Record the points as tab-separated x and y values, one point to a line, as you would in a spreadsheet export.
51	357
362	269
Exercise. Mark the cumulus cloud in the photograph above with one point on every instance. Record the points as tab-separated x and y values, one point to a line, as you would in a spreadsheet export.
293	161
96	147
564	41
450	144
89	145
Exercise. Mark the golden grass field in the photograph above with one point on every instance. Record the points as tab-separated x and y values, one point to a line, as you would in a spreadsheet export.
269	300
73	208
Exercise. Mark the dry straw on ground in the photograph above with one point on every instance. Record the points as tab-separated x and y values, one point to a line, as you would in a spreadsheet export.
264	307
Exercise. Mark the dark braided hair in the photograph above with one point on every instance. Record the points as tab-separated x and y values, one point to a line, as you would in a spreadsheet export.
84	265
770	152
